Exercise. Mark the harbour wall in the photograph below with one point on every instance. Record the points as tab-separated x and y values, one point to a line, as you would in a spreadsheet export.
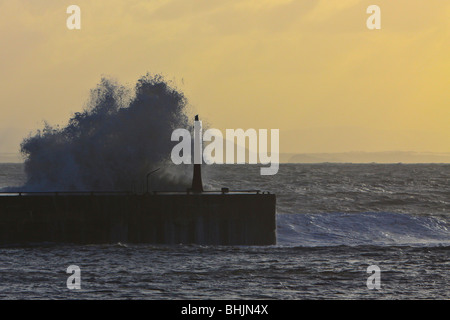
93	218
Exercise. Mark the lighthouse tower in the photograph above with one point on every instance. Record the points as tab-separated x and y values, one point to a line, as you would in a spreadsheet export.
197	185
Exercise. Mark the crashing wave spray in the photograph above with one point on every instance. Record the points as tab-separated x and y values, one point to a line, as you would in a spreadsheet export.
117	139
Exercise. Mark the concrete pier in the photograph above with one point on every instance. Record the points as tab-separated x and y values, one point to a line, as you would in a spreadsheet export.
221	218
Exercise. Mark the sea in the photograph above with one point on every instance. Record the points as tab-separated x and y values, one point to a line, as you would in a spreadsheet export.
336	223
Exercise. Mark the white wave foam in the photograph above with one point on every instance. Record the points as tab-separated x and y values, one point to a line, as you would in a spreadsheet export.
371	228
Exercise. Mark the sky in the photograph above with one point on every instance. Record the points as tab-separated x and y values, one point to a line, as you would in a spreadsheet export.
310	68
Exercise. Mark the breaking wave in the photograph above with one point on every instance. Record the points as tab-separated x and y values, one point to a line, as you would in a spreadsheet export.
120	136
368	228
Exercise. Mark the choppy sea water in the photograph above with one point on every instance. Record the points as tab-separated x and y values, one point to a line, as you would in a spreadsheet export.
333	222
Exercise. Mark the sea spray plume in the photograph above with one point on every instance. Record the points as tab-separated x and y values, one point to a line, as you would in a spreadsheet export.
113	143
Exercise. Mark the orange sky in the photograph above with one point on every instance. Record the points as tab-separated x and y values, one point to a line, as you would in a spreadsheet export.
310	68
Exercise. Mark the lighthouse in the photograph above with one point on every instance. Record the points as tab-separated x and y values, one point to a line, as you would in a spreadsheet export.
197	185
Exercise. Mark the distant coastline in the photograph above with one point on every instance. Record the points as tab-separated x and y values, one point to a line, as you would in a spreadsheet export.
342	157
10	157
366	157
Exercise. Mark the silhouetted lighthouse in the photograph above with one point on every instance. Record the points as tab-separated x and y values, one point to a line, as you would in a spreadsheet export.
197	185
